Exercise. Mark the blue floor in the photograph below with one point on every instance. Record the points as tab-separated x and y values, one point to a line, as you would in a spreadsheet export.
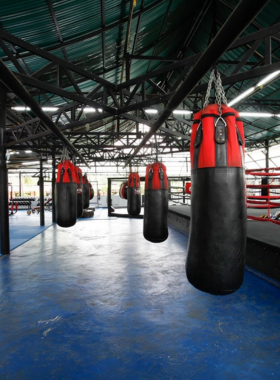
24	227
98	301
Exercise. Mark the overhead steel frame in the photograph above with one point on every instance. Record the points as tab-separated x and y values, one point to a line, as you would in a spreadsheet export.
236	23
123	102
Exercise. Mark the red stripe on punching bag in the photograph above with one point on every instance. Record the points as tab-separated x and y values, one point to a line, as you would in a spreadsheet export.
155	228
195	125
133	195
66	194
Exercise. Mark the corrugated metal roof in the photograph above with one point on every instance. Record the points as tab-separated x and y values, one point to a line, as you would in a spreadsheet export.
76	31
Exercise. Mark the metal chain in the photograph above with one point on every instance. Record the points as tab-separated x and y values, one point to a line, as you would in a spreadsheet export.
211	79
220	93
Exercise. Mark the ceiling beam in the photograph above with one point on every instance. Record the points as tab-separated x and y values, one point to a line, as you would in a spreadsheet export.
243	14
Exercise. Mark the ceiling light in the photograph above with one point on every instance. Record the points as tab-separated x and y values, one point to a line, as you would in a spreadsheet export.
241	96
151	111
46	109
256	114
20	108
88	109
49	109
182	112
268	78
28	151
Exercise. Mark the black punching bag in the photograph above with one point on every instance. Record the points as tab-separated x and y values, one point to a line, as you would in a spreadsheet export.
91	191
79	176
133	195
66	195
155	228
85	192
217	240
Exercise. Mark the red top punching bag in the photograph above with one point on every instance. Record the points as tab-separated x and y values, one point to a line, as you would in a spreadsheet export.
217	240
123	190
155	228
66	194
134	195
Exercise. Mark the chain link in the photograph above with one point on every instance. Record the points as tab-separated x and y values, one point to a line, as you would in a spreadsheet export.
220	93
211	79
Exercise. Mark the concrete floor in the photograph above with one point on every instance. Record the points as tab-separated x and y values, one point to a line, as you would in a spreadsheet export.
98	301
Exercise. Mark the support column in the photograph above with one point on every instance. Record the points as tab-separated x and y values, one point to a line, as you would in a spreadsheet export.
266	154
4	202
109	197
53	187
20	184
42	208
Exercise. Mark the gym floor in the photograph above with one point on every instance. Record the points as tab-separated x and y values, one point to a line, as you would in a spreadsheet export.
98	301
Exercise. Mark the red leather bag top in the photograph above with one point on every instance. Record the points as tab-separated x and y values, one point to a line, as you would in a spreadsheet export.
133	180
206	119
123	190
66	172
156	177
79	175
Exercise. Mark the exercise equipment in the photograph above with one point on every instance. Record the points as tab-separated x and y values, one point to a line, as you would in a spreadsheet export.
217	240
91	191
66	194
264	195
188	188
85	192
79	177
133	195
155	228
123	190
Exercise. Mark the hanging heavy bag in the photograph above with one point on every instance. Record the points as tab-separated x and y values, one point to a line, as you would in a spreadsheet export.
217	240
133	195
79	176
123	190
66	195
155	228
85	192
91	191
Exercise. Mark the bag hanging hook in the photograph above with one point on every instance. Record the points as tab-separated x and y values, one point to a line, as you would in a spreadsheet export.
219	90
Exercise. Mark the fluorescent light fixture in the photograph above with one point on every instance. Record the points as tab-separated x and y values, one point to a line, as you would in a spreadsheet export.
19	108
268	78
88	109
28	151
256	114
151	111
242	96
49	109
46	109
182	112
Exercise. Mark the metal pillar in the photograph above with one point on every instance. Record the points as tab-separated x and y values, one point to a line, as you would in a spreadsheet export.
266	154
41	183
20	184
109	197
4	202
53	187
